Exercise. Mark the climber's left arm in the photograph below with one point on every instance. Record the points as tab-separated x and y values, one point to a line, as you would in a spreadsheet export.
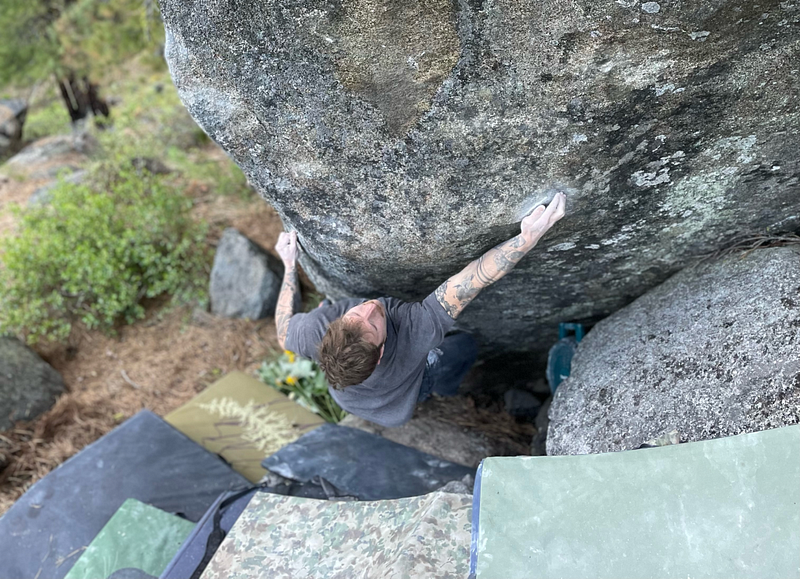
458	291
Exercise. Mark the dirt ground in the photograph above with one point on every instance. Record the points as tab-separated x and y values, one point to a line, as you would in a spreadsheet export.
161	362
158	363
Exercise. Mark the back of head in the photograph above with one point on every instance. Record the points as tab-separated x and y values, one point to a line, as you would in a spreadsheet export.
345	356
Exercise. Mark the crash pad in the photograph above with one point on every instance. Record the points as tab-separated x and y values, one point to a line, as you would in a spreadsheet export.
243	420
190	554
728	507
287	537
138	536
46	530
363	465
230	505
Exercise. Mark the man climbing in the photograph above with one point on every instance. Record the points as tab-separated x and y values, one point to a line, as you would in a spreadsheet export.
382	356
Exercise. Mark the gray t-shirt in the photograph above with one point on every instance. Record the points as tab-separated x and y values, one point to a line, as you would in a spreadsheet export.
388	396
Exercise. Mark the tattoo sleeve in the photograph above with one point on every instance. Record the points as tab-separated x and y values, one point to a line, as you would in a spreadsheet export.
458	291
286	300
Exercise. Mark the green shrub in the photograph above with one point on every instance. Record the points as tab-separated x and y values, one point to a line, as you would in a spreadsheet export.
302	381
93	254
49	119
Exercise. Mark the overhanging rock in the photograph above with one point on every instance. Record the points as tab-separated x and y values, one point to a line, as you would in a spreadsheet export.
403	139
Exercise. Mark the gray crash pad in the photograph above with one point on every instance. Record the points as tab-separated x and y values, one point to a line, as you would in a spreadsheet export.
45	531
728	507
363	465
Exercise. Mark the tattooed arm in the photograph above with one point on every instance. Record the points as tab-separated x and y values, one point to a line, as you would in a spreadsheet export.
458	291
287	249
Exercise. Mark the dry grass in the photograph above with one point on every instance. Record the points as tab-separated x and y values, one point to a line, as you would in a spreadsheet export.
750	242
499	427
157	364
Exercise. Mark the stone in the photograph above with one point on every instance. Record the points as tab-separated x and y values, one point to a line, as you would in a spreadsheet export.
404	139
43	151
151	165
521	403
426	434
539	442
12	119
245	279
42	196
29	386
712	352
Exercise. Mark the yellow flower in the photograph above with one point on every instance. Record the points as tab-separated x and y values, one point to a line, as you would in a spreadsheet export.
291	380
289	355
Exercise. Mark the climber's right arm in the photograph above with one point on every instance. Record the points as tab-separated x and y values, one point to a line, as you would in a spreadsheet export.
458	291
287	250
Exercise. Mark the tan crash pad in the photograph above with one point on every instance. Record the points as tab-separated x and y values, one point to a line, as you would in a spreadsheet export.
425	537
244	421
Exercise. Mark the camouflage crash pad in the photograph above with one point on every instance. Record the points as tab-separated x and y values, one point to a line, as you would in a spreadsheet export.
728	507
288	537
243	420
139	536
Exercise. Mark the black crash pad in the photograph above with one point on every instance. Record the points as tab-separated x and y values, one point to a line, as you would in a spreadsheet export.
44	532
364	465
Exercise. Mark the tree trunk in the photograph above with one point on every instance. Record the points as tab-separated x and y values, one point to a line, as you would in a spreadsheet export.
81	96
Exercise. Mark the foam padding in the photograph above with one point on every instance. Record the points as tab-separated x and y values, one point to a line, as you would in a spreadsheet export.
728	507
286	537
190	554
364	465
224	434
138	536
45	531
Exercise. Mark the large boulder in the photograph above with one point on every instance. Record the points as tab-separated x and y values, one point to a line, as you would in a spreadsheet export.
29	386
712	352
245	279
403	138
12	119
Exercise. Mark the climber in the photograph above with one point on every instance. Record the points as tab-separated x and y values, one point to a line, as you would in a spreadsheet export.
382	356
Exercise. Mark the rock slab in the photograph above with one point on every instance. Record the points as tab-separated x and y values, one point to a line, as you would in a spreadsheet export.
12	119
404	139
29	386
712	352
245	279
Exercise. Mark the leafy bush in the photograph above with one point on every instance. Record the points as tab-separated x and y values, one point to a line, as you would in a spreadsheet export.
94	254
304	382
49	119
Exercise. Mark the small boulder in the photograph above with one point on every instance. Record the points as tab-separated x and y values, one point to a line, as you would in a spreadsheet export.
29	386
711	352
43	151
42	196
12	118
521	403
245	279
539	442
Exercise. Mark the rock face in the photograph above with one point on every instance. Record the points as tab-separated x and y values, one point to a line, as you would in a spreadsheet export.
42	195
402	139
245	279
28	385
712	352
12	118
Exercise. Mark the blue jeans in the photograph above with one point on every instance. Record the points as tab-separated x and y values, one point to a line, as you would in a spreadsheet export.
447	365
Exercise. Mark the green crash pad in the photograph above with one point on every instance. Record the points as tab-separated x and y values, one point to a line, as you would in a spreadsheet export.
243	420
286	537
138	536
728	507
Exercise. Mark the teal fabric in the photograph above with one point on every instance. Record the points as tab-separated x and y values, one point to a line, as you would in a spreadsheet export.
139	536
728	507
